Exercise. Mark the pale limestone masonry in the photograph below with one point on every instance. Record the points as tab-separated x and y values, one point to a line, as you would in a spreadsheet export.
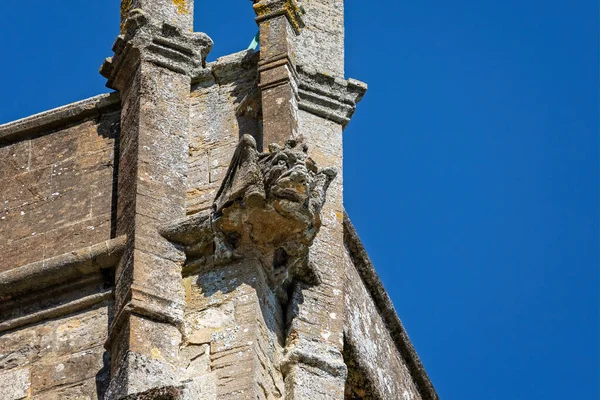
185	237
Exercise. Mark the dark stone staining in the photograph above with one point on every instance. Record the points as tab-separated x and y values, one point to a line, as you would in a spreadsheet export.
358	386
280	264
164	393
280	259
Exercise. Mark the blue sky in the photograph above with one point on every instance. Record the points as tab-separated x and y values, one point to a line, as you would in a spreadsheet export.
471	168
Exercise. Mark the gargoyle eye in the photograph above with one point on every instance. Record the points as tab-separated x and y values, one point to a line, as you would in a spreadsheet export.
280	159
311	165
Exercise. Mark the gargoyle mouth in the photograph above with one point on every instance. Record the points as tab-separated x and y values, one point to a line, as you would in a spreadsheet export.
289	194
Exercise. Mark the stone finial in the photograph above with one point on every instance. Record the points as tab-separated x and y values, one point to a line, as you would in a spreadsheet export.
268	207
269	9
279	21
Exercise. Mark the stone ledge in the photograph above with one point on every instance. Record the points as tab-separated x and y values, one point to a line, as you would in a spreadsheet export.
56	311
375	287
58	117
60	269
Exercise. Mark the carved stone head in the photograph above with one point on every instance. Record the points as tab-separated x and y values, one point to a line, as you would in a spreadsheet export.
269	205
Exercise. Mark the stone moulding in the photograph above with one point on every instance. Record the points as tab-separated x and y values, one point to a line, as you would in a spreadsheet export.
328	97
318	93
58	117
145	304
282	60
375	287
57	311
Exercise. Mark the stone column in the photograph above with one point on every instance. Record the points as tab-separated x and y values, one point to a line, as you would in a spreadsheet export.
280	22
155	57
321	44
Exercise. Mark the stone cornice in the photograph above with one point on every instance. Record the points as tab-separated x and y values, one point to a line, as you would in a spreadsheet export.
320	94
328	97
375	287
60	117
164	45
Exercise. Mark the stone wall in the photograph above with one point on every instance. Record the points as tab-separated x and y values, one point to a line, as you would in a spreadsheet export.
61	359
56	190
233	334
224	106
321	45
371	346
56	180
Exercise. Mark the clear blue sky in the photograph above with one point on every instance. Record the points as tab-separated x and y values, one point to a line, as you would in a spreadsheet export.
471	168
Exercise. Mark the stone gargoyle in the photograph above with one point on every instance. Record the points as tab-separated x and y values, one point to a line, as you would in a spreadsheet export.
268	207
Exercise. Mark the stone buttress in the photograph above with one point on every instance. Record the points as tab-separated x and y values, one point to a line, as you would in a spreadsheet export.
155	57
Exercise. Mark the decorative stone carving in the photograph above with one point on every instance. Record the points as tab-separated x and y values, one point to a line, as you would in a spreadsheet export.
268	207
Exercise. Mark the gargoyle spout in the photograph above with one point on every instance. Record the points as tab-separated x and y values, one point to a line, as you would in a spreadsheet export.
268	208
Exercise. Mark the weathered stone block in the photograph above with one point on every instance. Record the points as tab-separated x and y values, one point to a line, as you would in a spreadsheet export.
20	252
19	348
15	384
14	159
67	143
138	374
86	390
25	188
67	370
160	341
80	234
